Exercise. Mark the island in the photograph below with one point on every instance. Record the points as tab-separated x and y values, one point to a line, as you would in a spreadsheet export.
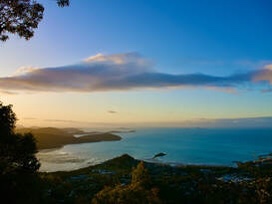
49	137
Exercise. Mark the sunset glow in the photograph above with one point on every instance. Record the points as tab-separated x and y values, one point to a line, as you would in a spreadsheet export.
143	63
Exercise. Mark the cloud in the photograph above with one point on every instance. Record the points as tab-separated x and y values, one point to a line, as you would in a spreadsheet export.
266	90
124	72
265	74
24	70
30	118
247	122
250	122
8	92
62	121
112	111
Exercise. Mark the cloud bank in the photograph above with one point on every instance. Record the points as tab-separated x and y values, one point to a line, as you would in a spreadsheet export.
125	72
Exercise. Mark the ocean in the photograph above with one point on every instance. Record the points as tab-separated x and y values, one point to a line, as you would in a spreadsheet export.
181	145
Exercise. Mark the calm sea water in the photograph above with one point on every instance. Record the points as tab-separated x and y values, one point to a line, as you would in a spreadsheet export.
182	146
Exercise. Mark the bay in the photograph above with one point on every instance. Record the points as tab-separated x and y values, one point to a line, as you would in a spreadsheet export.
181	145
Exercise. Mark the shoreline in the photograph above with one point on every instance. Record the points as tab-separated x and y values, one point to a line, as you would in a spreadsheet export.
101	137
85	164
54	138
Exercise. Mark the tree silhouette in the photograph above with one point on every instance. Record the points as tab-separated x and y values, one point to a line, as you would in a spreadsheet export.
8	119
63	3
17	151
21	17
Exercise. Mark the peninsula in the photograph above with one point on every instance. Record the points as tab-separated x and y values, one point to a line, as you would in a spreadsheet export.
48	138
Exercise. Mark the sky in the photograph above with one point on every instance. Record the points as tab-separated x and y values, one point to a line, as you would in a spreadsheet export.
153	63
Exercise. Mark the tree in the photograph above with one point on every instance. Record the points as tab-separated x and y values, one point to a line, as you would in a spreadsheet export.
21	17
17	151
137	192
7	118
140	175
63	3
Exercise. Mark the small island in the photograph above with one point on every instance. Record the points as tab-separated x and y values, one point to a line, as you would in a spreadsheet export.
48	138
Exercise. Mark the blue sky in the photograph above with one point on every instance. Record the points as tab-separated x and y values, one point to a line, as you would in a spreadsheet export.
174	39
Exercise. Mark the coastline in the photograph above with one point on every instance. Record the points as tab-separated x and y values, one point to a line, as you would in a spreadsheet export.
45	144
183	147
54	138
175	184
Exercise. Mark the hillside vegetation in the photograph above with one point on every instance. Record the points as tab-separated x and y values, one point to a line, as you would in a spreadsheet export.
127	180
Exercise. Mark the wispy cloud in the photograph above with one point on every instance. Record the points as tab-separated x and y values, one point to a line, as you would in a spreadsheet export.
62	121
247	122
124	72
29	118
7	92
250	122
112	111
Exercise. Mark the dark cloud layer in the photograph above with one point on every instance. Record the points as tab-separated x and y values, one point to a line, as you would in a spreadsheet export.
124	72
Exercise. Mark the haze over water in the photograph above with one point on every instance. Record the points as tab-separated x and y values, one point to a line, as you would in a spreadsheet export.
182	146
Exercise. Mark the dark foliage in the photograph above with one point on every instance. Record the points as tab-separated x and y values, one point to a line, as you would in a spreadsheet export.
19	182
114	182
138	191
63	3
21	17
17	151
7	118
